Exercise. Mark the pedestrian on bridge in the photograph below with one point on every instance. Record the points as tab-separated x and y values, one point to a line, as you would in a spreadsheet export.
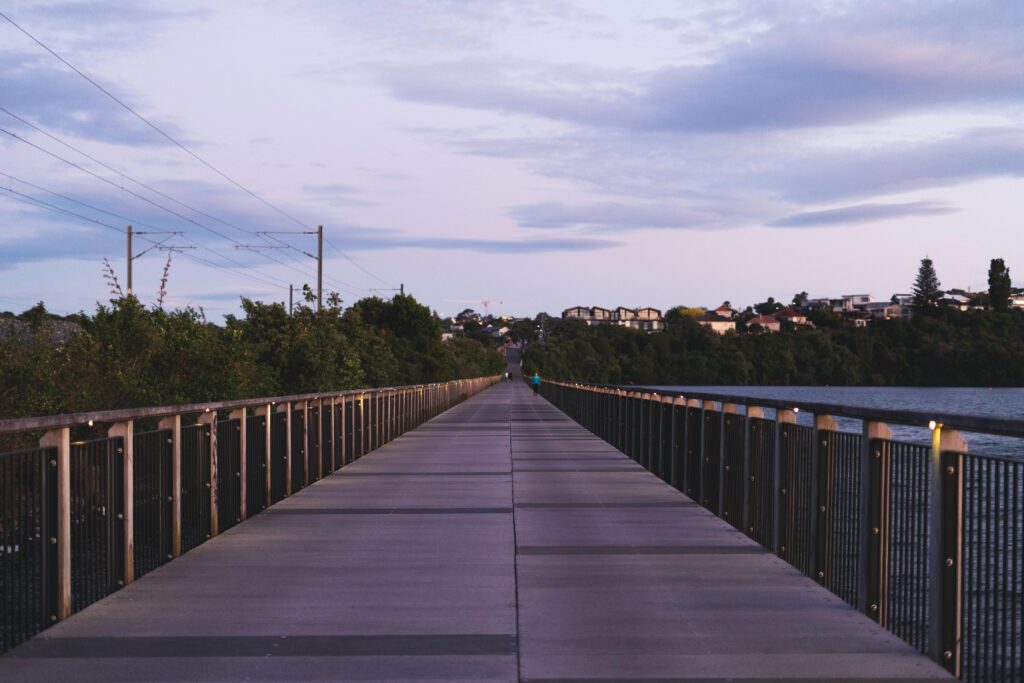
535	383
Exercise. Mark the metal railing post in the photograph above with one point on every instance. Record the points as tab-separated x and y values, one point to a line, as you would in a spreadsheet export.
752	412
783	417
691	473
945	547
822	467
729	412
872	546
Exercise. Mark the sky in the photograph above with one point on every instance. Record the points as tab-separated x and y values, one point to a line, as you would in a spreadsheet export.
537	154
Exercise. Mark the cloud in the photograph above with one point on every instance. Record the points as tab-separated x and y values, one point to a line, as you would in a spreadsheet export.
480	246
853	68
973	155
710	213
337	194
61	102
100	12
861	213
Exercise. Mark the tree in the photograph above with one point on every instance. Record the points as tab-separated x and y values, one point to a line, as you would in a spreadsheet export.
926	285
768	307
800	299
999	285
523	331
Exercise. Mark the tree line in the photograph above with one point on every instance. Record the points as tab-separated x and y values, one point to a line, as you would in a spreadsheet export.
937	347
128	355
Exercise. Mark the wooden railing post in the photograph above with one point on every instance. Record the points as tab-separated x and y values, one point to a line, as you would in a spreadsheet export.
343	416
286	408
209	418
268	412
173	423
126	432
306	480
242	415
319	431
333	402
362	424
60	439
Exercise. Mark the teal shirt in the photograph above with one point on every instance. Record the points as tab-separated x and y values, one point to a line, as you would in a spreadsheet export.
535	381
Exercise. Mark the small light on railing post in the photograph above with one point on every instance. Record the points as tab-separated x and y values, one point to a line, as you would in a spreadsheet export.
932	425
90	423
796	410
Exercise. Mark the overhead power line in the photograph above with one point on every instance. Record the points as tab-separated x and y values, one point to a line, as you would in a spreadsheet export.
180	145
357	265
32	201
149	123
153	203
340	285
177	143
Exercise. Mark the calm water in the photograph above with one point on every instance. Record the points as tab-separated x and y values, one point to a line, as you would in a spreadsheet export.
1006	403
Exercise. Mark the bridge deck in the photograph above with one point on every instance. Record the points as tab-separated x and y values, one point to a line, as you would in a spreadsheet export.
498	541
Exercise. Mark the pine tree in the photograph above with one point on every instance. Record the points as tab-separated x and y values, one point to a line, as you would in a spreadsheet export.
926	285
999	285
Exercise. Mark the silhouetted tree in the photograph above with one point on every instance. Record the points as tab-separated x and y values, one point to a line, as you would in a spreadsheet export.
926	285
999	285
768	307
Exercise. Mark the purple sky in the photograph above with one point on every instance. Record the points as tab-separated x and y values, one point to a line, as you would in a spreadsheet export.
540	153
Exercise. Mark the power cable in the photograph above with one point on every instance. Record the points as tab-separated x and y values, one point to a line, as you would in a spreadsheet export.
145	199
33	201
149	123
178	144
357	265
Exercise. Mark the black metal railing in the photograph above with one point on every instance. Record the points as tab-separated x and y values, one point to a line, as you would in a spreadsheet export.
926	540
153	501
80	518
28	544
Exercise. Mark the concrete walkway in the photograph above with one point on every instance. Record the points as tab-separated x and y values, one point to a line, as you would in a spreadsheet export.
498	541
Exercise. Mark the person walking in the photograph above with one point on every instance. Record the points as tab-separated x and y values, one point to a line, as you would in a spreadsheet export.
535	383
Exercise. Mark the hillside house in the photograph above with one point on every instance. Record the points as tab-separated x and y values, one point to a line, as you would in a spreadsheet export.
581	312
882	310
794	317
717	323
764	323
724	311
648	319
852	302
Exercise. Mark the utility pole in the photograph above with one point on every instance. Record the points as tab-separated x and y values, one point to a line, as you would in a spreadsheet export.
291	292
319	267
161	246
130	259
401	289
281	244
